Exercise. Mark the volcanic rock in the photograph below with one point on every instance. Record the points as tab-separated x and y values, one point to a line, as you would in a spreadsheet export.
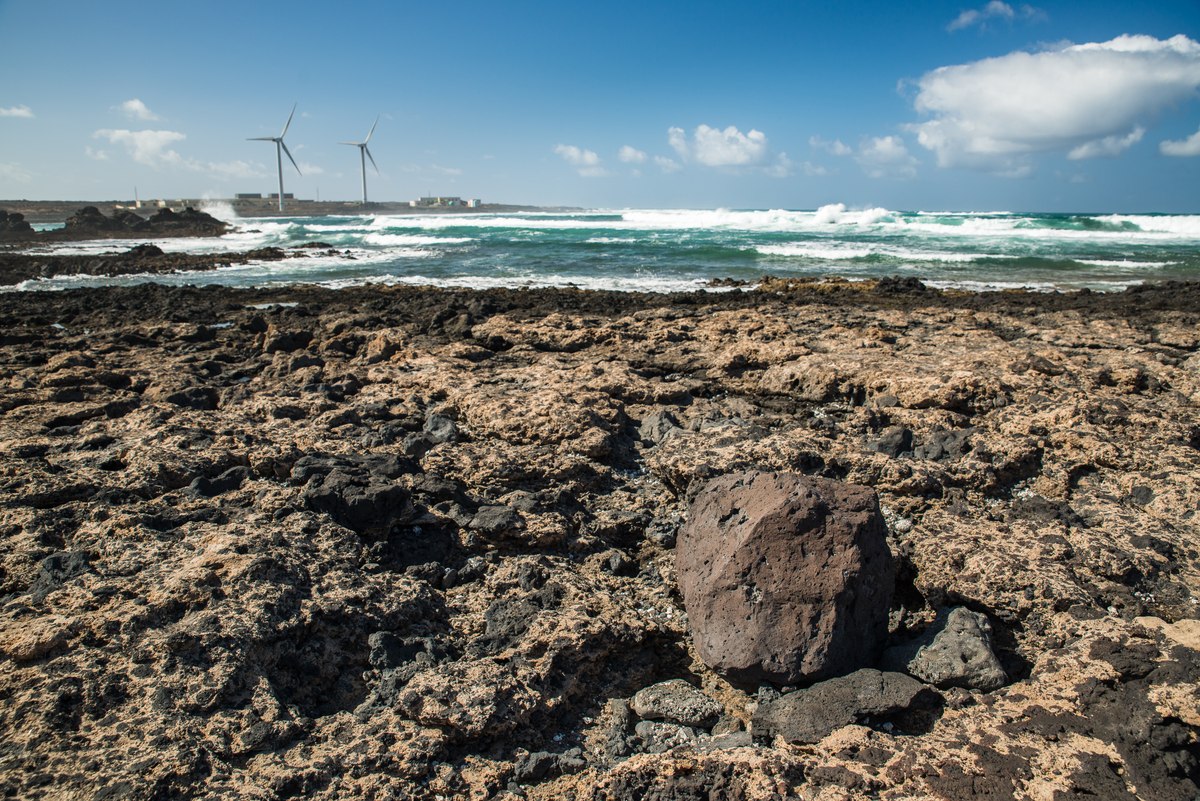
676	701
785	578
13	224
808	716
956	651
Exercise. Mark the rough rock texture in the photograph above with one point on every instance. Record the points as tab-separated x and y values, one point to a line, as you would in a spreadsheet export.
785	578
676	701
808	716
181	618
956	651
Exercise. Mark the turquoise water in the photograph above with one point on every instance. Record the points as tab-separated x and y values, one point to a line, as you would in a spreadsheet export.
684	249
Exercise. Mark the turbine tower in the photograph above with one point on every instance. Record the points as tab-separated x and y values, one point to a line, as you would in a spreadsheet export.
363	154
280	149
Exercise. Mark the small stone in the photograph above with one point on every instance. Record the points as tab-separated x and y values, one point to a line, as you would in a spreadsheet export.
676	701
658	737
657	426
956	651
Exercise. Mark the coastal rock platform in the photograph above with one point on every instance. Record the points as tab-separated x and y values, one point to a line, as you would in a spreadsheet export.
417	543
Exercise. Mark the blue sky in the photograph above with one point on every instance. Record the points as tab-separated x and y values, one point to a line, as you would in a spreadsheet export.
939	105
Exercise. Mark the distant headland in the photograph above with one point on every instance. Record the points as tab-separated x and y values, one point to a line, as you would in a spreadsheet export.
42	212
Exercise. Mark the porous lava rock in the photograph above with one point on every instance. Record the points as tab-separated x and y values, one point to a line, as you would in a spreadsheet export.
808	716
785	578
956	651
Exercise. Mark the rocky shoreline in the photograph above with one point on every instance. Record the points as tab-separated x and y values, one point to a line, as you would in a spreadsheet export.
418	543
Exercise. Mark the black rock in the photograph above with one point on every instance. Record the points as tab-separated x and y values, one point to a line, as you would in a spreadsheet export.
231	479
893	441
867	695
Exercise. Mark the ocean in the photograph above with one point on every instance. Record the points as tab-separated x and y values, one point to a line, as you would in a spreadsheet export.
674	249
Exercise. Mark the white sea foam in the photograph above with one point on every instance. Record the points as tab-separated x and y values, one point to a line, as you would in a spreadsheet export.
1126	263
1184	225
414	239
221	209
847	252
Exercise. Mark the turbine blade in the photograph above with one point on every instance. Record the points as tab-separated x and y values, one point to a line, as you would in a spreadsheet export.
260	139
289	122
289	155
356	144
368	139
372	158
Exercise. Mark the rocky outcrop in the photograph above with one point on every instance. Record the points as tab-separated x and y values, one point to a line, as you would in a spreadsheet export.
14	226
90	223
785	578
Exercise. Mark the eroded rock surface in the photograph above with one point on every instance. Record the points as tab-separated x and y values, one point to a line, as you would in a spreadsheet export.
403	543
785	578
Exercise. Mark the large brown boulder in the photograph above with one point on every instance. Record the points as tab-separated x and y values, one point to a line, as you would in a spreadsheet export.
785	578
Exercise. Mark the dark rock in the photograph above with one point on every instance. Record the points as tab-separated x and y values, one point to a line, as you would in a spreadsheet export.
362	506
657	426
956	651
357	493
55	570
942	444
495	520
894	283
144	251
676	701
231	479
785	578
13	224
542	765
200	398
893	441
867	695
286	341
440	428
417	445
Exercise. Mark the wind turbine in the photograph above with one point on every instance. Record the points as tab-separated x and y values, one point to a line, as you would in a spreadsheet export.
363	155
280	149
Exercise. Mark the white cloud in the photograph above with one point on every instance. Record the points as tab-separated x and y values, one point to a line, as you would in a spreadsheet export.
813	170
1181	147
714	147
995	10
836	147
992	114
782	168
145	147
1108	146
585	162
230	170
631	155
152	148
667	165
15	173
97	155
17	111
310	169
729	147
135	109
886	157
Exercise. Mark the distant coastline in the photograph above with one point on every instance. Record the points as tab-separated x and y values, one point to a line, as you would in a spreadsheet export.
40	212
